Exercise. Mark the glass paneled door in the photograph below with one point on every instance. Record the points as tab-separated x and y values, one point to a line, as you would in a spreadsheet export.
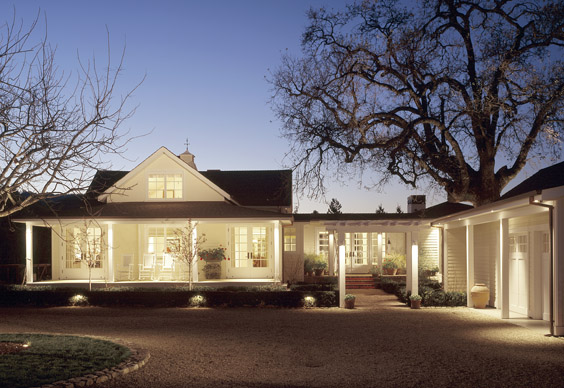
357	256
251	248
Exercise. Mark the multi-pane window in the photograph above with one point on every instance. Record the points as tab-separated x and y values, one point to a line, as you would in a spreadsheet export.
378	239
160	240
260	258
356	248
323	243
290	239
85	245
241	248
165	186
518	244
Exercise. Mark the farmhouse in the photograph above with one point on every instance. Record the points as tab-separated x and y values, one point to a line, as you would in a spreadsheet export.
123	227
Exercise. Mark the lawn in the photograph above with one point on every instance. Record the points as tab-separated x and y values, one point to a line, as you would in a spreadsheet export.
49	358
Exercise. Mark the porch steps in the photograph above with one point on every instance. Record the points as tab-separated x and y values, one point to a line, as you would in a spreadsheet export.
359	281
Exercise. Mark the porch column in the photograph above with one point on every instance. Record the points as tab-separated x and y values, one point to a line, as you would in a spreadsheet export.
445	259
194	248
469	264
380	251
331	256
111	253
558	257
342	277
277	251
504	267
412	262
28	252
300	249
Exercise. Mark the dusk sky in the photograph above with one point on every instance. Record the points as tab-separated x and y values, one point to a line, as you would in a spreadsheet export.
205	65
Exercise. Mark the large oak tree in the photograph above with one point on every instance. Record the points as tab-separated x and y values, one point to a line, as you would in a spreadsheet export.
461	94
56	128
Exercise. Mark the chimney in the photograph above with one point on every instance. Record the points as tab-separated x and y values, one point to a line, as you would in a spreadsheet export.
415	203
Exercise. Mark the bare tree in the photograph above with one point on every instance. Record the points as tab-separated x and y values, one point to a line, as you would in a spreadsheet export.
459	93
54	132
87	245
185	245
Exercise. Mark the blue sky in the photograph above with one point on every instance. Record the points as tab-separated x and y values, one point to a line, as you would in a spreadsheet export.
204	64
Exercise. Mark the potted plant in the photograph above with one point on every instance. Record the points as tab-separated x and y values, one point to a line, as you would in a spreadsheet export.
349	301
390	266
212	254
308	264
212	270
319	266
415	301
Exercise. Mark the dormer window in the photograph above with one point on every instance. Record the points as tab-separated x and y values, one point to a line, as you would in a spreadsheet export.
165	186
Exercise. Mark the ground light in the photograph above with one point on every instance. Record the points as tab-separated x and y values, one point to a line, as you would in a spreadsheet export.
309	301
78	300
198	301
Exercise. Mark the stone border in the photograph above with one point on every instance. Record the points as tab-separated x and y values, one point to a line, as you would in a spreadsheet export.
138	358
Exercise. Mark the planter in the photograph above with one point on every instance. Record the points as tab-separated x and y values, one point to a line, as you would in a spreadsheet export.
349	303
415	304
480	295
212	270
319	272
390	271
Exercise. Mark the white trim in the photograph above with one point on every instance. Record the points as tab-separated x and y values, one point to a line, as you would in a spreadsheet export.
469	264
163	151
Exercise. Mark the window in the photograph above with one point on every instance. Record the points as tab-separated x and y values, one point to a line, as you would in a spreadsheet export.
323	243
84	244
165	186
378	237
290	239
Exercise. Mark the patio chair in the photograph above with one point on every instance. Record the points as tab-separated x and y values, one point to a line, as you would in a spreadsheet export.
147	268
166	269
125	269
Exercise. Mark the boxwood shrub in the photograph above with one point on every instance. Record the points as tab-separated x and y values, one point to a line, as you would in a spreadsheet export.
431	293
180	297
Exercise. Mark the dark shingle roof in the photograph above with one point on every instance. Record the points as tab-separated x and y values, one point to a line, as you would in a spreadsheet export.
78	206
436	211
546	178
248	188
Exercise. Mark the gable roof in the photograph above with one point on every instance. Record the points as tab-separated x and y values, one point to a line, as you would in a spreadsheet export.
248	188
546	178
174	158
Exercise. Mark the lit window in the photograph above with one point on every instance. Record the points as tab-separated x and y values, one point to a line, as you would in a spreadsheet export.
323	243
290	239
165	186
85	245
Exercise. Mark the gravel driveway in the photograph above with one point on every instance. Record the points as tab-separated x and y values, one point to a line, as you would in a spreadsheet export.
379	344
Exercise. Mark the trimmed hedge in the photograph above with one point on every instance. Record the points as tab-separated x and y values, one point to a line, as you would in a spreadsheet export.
165	297
431	293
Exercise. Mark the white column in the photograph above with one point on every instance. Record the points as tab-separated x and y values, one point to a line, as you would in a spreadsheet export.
445	259
29	252
111	253
277	251
300	248
558	252
504	267
380	251
412	261
331	257
194	247
469	264
342	277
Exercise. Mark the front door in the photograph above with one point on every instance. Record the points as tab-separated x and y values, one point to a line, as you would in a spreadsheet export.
251	252
356	253
518	273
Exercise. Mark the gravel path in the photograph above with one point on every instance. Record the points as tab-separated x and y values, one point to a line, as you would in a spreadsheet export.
379	344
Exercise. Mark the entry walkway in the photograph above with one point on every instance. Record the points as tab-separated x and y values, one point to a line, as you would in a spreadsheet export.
378	299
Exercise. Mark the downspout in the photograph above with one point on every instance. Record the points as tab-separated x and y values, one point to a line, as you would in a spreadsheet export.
551	254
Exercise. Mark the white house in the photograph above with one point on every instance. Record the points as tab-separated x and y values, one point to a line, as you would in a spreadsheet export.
513	245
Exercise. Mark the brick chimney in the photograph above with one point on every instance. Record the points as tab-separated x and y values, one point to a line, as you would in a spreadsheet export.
415	203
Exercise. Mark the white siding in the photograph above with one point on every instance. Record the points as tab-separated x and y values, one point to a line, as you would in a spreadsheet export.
456	259
528	221
429	248
486	256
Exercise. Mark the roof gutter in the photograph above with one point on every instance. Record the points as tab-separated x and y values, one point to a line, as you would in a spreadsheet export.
534	202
